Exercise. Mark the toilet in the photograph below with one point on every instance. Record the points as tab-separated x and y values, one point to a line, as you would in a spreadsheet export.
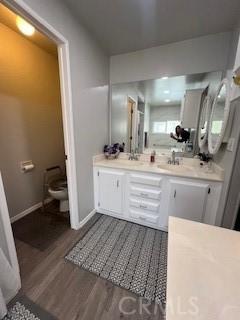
58	189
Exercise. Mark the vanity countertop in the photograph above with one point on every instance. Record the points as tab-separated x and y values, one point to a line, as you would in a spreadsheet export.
189	169
203	272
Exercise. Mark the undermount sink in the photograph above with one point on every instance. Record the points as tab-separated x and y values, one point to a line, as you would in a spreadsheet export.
175	168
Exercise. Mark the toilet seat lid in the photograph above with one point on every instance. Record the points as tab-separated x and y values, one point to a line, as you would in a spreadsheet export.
58	185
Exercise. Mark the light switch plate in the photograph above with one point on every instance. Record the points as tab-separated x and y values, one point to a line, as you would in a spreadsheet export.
230	144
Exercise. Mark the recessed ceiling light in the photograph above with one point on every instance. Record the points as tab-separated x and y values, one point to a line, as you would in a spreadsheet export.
167	100
166	91
25	27
164	78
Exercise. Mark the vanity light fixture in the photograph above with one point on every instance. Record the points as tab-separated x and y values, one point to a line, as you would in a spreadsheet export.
26	28
164	78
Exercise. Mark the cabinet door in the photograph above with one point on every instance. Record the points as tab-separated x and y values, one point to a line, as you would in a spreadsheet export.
188	200
110	190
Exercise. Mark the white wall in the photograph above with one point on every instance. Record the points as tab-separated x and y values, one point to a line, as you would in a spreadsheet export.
203	54
7	243
224	157
89	75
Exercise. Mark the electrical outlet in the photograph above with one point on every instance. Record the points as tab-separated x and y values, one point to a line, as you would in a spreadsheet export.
230	144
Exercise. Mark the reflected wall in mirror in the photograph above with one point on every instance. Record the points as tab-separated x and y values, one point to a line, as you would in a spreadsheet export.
145	113
219	116
204	121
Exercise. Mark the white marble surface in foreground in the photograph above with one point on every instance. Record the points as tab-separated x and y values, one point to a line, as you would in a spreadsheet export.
203	272
189	168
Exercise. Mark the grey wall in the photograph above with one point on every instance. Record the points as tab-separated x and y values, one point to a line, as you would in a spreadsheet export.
232	204
162	113
203	54
226	160
30	118
224	157
90	76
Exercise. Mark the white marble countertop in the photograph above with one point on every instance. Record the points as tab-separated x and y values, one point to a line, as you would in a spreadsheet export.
203	272
189	168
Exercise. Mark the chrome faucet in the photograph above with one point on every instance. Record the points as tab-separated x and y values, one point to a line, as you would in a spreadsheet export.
133	156
173	161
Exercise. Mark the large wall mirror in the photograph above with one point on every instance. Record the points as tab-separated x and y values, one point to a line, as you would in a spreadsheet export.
145	114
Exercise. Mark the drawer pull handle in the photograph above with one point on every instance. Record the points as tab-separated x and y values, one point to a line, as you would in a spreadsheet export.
143	207
144	194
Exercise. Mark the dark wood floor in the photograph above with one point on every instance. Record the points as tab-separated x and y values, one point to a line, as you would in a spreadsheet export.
68	292
40	230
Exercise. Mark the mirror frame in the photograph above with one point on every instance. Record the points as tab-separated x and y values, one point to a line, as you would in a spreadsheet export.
208	102
213	149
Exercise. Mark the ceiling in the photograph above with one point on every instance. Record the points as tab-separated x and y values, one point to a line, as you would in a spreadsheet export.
128	25
8	18
170	91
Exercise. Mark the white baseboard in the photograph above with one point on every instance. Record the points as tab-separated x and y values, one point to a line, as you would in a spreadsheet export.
85	220
29	210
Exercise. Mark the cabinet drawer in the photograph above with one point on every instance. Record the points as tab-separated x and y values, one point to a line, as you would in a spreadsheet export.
145	193
144	205
144	179
143	217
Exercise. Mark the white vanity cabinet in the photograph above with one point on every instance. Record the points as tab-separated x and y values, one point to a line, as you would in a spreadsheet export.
144	198
150	198
188	200
110	186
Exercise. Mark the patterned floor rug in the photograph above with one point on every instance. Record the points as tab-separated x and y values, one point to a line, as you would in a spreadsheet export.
22	308
129	255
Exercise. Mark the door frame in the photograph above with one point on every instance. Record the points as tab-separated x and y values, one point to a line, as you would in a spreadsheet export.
21	8
132	122
8	234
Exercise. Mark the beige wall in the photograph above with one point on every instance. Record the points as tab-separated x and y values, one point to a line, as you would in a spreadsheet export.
30	117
